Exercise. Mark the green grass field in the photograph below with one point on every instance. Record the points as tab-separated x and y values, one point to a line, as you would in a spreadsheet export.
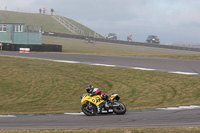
34	86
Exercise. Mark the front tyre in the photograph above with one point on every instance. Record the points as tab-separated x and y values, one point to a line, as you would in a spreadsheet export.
89	109
120	110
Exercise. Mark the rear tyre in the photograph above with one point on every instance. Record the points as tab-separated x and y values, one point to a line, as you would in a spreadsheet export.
89	109
120	110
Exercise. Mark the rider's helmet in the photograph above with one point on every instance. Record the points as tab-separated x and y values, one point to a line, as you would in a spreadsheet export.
89	88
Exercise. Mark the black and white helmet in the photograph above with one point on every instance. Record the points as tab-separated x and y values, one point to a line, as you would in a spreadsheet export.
89	88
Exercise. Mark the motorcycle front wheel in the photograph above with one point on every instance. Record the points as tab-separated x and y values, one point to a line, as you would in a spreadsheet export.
120	110
89	109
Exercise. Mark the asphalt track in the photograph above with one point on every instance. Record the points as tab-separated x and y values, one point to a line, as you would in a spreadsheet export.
159	64
144	119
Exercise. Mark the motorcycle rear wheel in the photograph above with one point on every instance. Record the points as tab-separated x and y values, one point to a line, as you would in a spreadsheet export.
120	110
89	109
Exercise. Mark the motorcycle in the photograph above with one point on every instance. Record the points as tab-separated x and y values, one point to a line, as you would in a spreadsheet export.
92	105
88	40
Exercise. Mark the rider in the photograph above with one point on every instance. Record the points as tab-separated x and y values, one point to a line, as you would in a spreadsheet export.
129	37
95	91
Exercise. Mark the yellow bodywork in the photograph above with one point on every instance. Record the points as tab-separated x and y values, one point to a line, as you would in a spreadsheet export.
96	100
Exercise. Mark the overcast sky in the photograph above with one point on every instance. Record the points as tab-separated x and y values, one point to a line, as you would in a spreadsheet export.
173	21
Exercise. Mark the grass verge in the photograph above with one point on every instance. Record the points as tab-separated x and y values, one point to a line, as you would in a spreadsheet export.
35	86
128	130
78	46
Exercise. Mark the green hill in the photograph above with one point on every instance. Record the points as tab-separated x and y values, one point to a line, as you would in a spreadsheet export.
49	24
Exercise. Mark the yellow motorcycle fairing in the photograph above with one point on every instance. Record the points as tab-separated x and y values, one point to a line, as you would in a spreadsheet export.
96	100
114	96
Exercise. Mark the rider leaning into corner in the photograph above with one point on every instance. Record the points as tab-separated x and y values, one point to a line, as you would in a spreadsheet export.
95	91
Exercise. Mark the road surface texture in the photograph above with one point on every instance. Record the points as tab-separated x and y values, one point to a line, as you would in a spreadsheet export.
146	119
182	65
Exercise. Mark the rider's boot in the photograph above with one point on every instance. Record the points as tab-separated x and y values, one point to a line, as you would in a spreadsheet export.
106	105
99	108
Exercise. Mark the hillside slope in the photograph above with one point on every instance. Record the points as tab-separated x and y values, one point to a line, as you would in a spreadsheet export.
48	23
